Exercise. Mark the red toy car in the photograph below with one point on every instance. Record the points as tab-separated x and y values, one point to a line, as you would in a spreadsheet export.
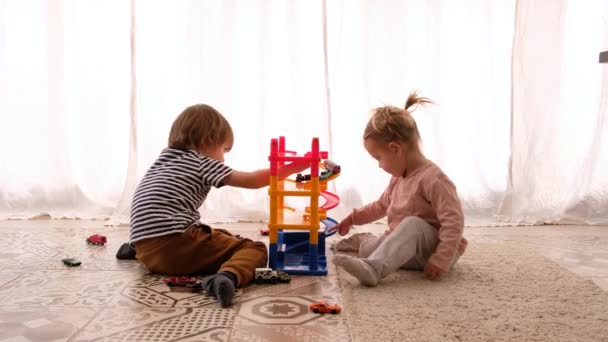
322	307
264	231
97	240
180	281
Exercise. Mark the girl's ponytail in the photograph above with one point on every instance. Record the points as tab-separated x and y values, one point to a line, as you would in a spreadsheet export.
415	100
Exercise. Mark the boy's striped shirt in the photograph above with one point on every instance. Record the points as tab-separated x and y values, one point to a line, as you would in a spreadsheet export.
168	197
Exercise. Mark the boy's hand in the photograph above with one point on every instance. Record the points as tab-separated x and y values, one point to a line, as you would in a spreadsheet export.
299	166
291	168
344	226
432	272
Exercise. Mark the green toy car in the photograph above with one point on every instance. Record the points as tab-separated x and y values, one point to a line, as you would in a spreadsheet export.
71	262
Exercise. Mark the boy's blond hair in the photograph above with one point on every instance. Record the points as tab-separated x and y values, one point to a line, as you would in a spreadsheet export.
392	124
200	126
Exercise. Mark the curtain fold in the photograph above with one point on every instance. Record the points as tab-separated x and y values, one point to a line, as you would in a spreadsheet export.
88	91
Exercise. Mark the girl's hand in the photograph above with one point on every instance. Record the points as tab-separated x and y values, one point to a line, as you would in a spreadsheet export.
432	272
344	226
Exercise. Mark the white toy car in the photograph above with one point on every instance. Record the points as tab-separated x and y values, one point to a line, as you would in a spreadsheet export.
266	275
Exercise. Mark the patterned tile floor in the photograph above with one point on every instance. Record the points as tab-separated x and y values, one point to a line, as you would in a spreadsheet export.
109	300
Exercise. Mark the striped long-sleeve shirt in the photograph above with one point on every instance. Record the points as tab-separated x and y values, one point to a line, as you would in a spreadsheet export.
168	197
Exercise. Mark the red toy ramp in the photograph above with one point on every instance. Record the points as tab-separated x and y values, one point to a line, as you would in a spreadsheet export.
331	200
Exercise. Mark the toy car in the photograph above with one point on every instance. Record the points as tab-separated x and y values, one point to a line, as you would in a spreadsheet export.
266	275
97	240
264	231
322	307
325	174
198	286
331	166
301	178
283	277
180	281
71	262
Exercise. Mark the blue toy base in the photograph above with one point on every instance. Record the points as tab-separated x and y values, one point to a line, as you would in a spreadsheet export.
295	255
293	252
298	265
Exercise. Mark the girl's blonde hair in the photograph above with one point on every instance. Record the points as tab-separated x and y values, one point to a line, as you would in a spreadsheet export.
392	124
199	126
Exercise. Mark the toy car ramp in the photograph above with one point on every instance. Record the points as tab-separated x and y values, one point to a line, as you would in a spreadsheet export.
331	226
331	200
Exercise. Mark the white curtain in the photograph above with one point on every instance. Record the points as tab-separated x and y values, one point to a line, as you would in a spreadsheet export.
64	107
260	63
88	91
455	52
559	148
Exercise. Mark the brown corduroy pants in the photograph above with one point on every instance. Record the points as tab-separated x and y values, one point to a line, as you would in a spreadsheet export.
202	250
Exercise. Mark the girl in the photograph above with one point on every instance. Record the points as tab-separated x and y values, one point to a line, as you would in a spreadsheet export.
165	223
425	219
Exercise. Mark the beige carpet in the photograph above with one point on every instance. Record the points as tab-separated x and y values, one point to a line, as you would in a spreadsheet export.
497	292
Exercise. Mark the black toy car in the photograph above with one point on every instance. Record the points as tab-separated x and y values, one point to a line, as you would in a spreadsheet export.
283	277
302	178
